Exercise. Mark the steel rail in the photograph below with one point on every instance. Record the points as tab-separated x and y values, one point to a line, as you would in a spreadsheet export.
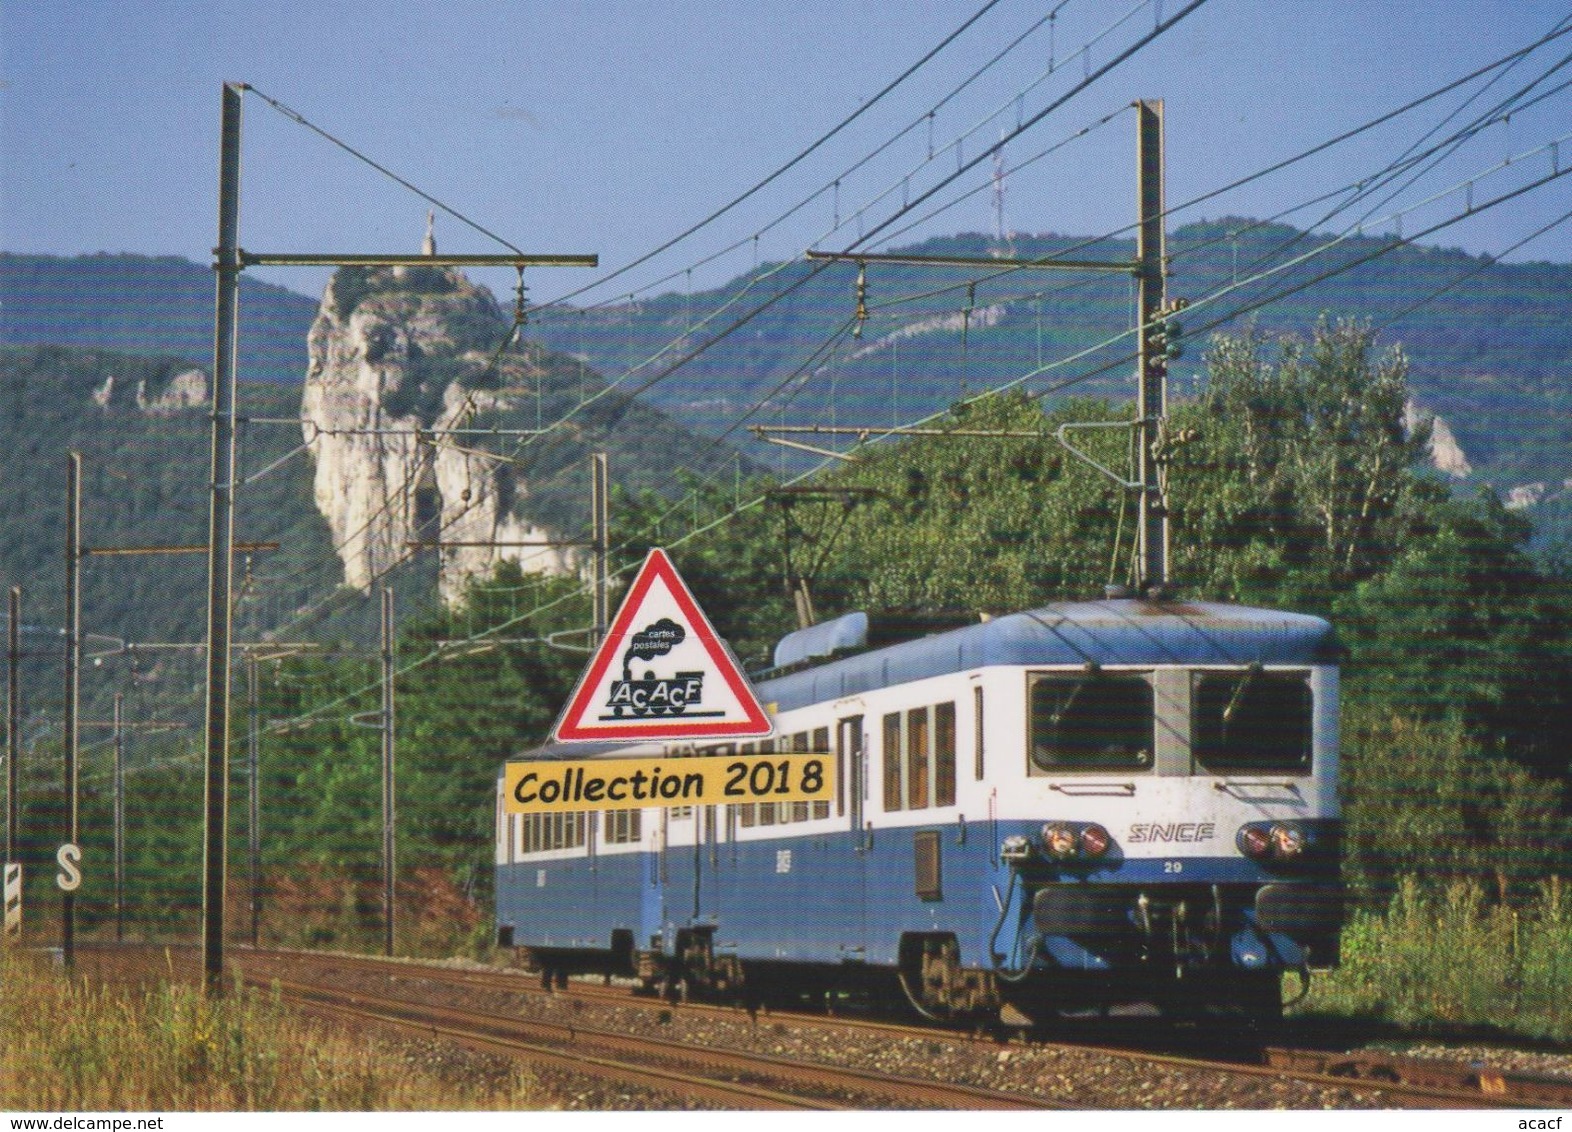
693	1069
352	1007
1410	1082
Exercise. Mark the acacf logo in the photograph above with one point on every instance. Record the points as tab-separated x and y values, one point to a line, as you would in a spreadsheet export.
654	695
660	672
1182	832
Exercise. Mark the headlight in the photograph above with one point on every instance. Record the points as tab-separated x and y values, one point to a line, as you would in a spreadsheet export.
1288	842
1059	841
1275	841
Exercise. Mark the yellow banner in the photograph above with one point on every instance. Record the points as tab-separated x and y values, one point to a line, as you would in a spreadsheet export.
710	780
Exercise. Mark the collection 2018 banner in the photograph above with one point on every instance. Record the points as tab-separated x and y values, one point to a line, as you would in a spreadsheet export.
547	787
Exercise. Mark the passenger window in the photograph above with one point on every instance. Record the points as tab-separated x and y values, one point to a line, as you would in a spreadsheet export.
1091	721
892	762
1251	720
917	759
622	826
944	755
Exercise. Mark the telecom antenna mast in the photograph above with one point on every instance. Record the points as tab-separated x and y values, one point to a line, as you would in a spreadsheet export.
998	194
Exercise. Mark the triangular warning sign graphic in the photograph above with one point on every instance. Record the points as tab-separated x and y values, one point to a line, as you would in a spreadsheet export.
661	672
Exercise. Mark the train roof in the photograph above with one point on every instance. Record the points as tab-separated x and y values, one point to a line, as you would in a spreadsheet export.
1124	631
1120	631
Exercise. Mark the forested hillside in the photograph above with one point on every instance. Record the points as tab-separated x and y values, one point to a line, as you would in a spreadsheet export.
1487	342
158	306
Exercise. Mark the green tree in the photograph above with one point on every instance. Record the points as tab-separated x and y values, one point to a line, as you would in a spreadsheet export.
981	523
1300	478
726	543
1464	622
1425	800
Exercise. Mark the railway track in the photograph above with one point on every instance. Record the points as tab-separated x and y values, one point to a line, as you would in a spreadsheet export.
413	995
732	1078
1407	1082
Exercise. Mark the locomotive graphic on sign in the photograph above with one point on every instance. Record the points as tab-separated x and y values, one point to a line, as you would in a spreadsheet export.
655	695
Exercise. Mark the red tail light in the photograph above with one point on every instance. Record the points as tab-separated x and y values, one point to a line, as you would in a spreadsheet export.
1255	841
1094	841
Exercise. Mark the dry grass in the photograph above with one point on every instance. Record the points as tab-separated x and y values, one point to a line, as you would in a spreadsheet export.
69	1046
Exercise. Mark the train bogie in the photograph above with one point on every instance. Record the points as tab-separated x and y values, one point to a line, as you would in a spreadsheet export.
1061	810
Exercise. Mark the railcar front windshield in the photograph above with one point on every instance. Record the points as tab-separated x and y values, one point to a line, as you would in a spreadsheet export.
1252	720
1091	721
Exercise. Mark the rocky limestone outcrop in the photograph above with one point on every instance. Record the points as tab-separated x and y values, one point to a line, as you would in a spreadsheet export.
396	359
187	389
1446	454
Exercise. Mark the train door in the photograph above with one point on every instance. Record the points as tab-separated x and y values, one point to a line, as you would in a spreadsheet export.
851	757
706	863
654	918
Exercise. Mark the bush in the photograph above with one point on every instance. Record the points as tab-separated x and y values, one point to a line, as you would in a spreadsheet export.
1450	957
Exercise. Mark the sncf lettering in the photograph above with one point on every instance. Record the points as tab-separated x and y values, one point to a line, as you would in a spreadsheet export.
1182	832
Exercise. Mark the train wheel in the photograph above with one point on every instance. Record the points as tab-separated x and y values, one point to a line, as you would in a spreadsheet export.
937	986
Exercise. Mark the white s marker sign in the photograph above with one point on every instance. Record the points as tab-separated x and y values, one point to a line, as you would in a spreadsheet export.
69	857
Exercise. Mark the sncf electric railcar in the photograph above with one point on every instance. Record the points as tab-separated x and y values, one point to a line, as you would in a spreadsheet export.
1060	810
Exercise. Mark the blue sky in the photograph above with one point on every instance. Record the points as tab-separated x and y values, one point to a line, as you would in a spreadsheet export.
611	127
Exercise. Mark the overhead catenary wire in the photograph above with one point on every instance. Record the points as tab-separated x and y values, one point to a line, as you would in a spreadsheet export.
1090	76
1201	303
1409	162
1384	249
1507	60
1501	110
830	186
815	269
1055	11
962	166
1410	238
332	139
1359	187
797	159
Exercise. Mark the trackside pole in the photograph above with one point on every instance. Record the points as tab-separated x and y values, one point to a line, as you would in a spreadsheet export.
220	542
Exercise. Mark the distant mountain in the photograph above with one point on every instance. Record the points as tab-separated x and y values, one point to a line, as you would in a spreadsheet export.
1489	345
143	429
142	305
421	355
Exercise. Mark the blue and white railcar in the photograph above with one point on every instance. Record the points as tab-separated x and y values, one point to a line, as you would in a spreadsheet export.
1068	808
